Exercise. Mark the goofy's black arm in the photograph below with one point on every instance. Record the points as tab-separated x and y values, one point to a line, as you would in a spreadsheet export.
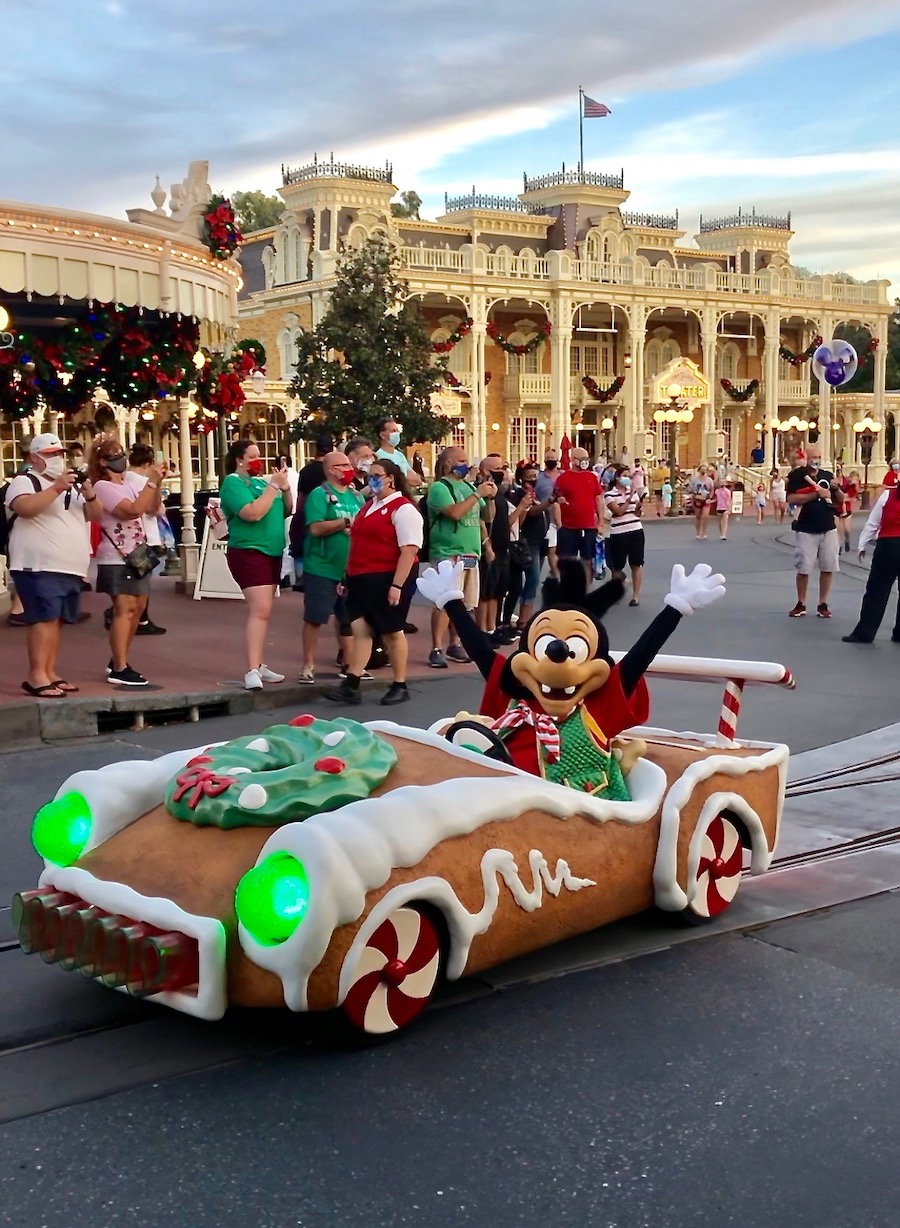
472	638
634	664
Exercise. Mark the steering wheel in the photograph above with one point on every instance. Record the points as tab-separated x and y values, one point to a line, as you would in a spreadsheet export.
472	735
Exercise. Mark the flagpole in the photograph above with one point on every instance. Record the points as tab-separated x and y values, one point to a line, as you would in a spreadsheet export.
580	131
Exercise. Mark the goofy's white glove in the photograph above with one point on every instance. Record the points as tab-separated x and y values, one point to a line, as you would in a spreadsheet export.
701	588
442	584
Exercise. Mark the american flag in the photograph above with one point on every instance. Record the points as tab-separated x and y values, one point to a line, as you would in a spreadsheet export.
594	110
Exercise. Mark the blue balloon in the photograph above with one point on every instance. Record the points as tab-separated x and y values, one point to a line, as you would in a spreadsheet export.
834	374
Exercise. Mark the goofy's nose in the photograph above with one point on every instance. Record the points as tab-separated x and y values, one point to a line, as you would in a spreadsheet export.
558	651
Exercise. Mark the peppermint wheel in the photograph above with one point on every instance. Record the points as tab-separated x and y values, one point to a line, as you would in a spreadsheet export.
718	870
396	973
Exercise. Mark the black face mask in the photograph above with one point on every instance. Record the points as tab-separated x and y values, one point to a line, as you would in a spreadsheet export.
498	475
118	464
550	464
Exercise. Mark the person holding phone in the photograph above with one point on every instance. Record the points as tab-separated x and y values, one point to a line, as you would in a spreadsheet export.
140	462
453	508
256	509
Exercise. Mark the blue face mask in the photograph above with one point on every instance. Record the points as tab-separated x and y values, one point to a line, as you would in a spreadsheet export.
461	471
625	481
376	485
394	438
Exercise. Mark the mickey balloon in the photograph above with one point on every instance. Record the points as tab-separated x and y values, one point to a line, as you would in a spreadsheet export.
835	362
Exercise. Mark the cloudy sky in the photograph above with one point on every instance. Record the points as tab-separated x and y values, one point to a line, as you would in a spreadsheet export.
714	105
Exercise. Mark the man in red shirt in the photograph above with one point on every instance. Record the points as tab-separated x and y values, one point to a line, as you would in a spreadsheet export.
578	499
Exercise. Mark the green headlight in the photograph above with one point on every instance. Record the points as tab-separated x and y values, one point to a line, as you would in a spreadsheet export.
62	828
271	899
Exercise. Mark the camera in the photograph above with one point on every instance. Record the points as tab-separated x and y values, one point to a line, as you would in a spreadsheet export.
81	474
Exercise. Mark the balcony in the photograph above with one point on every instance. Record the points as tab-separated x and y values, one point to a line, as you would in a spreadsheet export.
529	389
703	278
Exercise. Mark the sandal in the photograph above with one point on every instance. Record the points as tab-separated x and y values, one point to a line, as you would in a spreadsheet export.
62	685
48	691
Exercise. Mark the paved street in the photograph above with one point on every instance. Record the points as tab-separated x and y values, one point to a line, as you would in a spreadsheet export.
643	1076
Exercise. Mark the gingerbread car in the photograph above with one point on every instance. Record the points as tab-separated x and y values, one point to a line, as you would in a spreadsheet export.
332	864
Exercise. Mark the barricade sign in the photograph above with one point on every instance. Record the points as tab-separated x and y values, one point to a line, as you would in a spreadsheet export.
213	577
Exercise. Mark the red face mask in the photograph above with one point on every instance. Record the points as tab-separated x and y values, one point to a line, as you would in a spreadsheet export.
346	476
254	467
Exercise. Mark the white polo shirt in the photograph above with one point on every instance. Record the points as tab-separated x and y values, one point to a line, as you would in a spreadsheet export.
56	540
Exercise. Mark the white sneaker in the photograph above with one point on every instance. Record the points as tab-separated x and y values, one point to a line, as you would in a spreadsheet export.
269	675
307	677
252	680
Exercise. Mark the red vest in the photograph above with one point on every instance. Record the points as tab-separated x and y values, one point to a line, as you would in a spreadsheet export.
890	517
373	539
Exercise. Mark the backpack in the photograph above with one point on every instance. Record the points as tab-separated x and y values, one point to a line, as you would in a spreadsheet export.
430	521
297	531
7	518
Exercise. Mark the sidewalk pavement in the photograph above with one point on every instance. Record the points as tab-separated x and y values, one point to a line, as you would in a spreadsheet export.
197	664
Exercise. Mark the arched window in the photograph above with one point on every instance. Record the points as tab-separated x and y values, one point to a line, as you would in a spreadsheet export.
287	351
653	362
727	360
522	364
670	351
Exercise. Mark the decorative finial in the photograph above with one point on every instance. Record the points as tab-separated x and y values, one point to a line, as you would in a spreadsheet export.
158	196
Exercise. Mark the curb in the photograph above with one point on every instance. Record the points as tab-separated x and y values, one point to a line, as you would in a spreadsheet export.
28	724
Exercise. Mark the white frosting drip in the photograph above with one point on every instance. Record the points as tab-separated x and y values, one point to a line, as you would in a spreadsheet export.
258	744
332	739
354	850
254	797
209	1001
669	895
233	771
465	926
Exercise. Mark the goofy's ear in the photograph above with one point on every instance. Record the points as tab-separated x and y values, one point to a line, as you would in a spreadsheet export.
600	600
569	589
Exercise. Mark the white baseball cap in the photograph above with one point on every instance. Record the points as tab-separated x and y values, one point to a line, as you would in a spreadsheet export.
46	443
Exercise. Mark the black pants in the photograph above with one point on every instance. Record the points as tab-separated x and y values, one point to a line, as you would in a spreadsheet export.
513	593
885	573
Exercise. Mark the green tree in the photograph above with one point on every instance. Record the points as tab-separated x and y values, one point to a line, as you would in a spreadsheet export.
408	205
256	211
369	357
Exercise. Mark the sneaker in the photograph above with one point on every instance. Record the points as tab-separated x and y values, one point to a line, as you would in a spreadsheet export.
269	675
409	629
436	659
307	677
126	677
397	693
16	620
822	611
365	676
798	611
149	628
343	695
632	602
252	680
854	639
379	659
457	653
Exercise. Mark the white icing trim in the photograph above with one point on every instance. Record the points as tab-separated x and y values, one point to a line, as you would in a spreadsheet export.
354	850
713	669
121	792
210	1000
669	895
463	925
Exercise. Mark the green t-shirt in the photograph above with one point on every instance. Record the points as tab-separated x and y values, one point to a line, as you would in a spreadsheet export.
327	556
266	535
448	537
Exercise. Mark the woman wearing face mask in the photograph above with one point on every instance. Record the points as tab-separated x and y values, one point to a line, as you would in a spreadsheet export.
385	540
892	477
255	508
882	527
625	547
850	488
125	499
701	491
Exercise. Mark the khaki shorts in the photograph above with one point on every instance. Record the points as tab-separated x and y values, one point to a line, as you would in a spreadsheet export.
471	582
816	550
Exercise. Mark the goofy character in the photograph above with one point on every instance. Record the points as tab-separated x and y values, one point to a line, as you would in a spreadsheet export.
555	705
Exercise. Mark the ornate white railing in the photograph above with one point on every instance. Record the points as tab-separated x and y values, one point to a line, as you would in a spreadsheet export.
527	388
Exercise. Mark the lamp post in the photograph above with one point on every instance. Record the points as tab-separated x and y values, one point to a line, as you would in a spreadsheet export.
607	426
675	416
866	432
835	427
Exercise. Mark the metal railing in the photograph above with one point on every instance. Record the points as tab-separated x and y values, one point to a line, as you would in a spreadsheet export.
476	200
335	170
653	221
768	221
591	179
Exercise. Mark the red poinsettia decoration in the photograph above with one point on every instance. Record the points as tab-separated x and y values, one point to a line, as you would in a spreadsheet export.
444	347
604	394
222	236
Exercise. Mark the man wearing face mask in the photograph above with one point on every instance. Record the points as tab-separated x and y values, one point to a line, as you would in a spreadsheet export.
455	530
329	512
360	455
546	479
892	477
49	554
579	508
494	563
818	495
389	434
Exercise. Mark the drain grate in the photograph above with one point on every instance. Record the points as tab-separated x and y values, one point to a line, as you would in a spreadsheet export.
117	719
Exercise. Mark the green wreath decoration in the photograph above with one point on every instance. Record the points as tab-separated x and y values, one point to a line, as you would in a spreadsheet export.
444	347
528	348
738	394
603	394
221	234
797	360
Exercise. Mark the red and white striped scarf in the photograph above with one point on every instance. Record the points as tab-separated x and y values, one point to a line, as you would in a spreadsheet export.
544	726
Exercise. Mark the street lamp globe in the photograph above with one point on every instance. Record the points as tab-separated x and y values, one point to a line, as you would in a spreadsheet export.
607	424
4	319
674	391
659	415
687	416
671	415
757	426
